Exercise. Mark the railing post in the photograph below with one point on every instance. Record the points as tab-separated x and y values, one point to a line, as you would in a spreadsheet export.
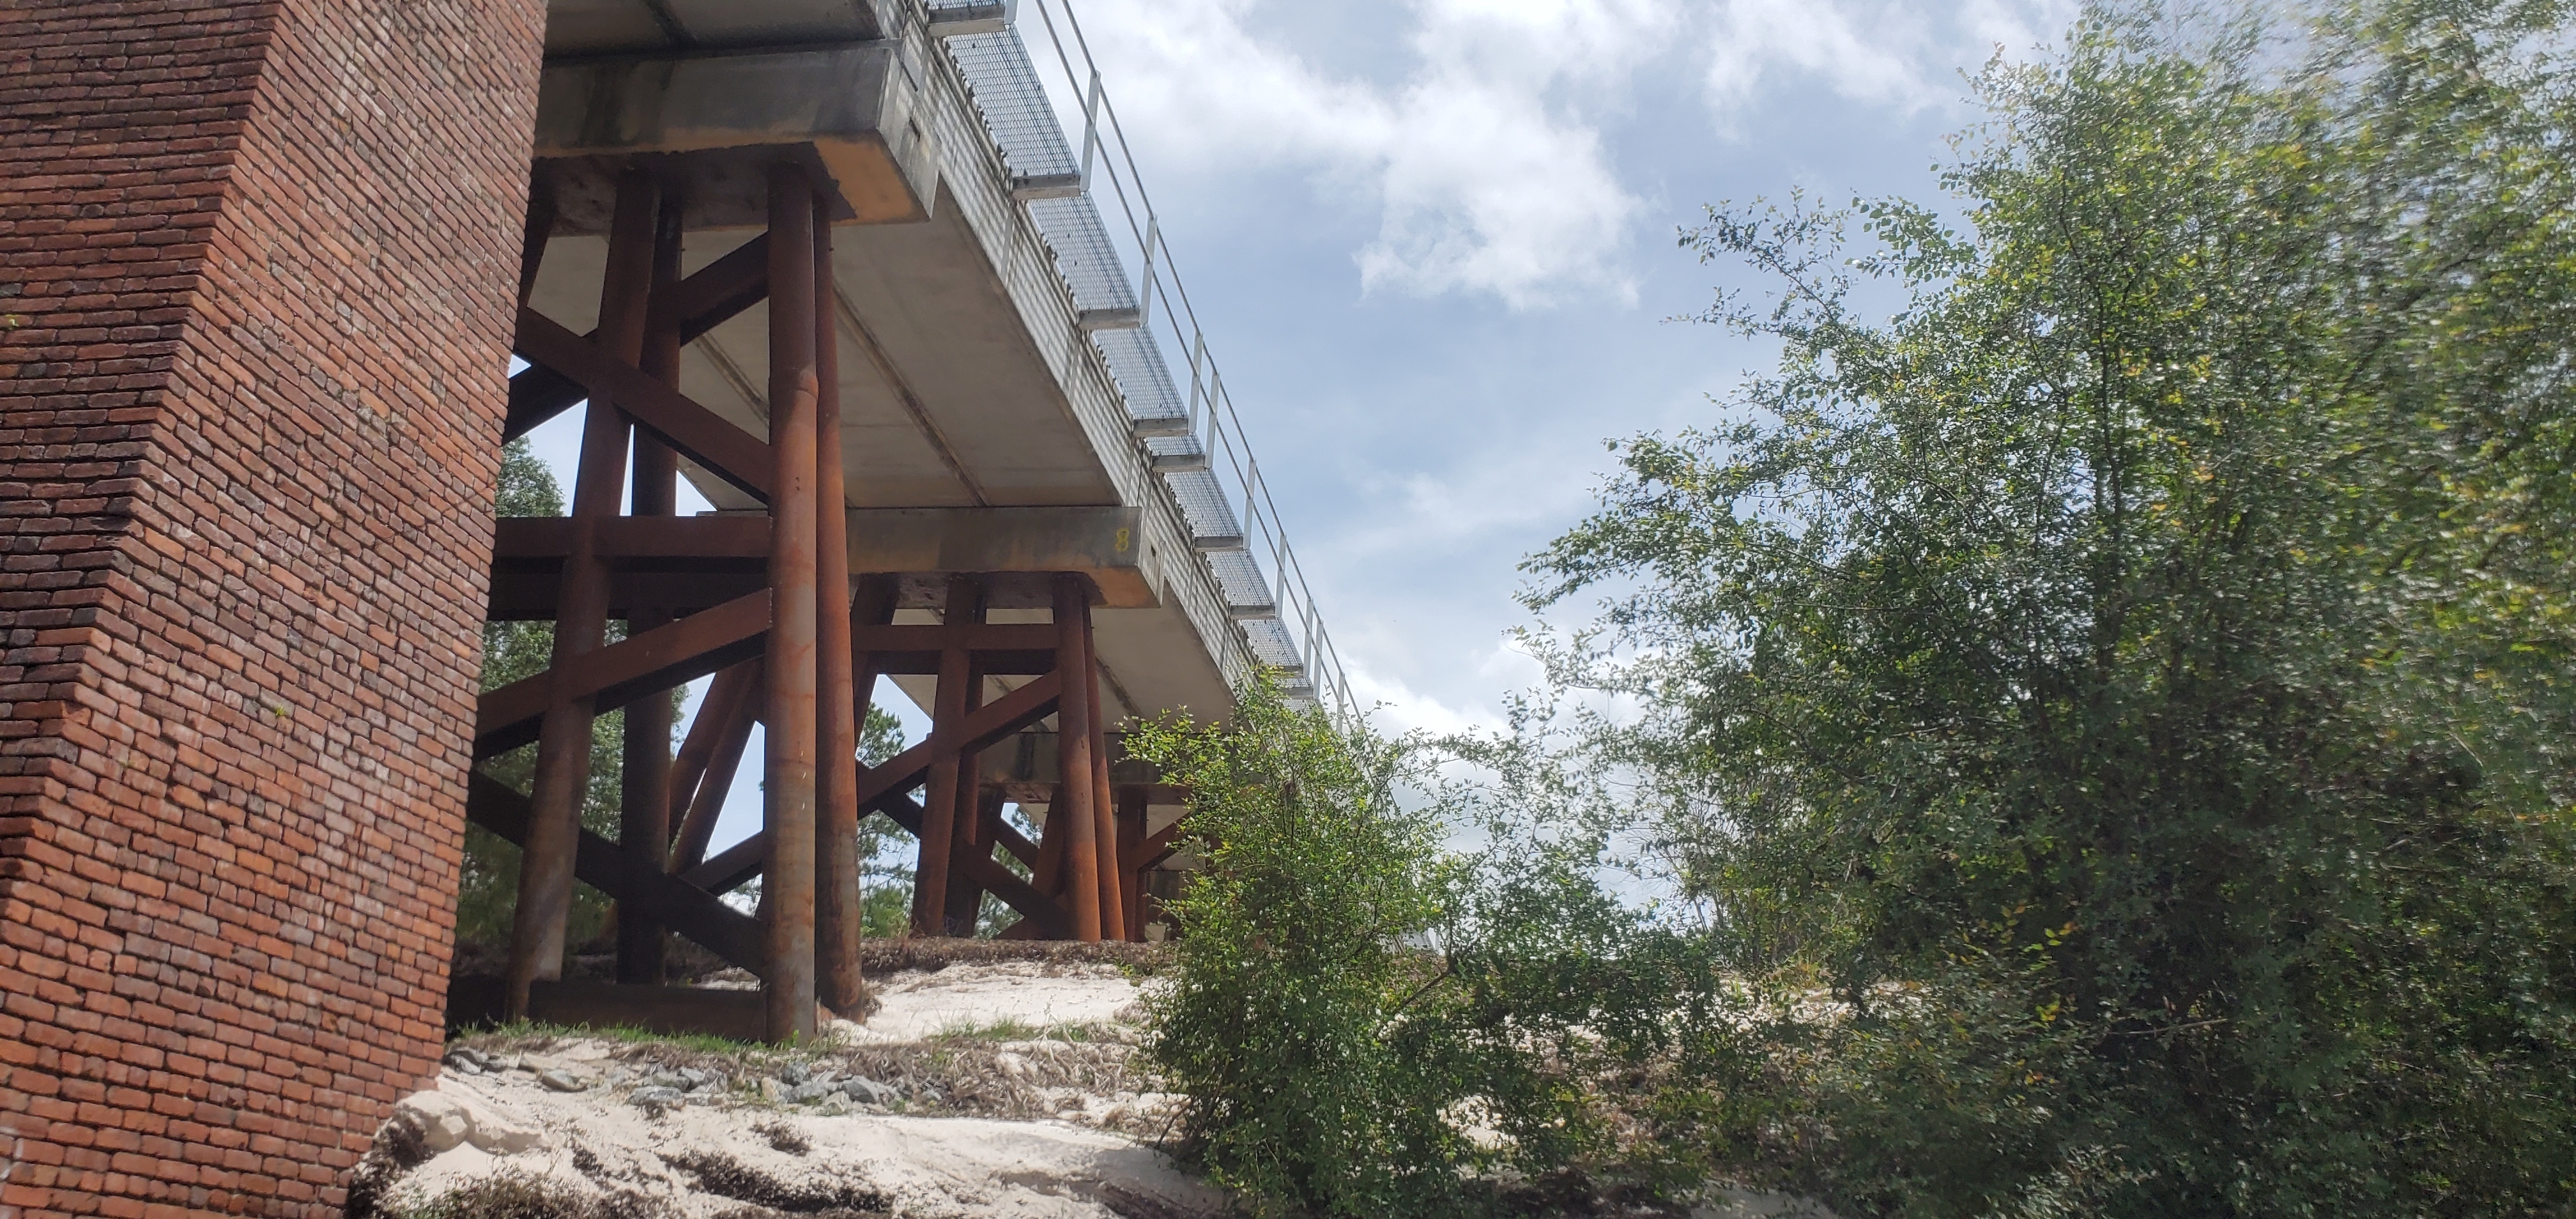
1251	478
1215	403
1306	646
1145	284
1090	127
1279	569
1198	353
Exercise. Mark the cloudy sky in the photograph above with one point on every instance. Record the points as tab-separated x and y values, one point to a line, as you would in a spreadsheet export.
1434	241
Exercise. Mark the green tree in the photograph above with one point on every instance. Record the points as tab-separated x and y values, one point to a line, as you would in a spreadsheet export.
2115	713
885	909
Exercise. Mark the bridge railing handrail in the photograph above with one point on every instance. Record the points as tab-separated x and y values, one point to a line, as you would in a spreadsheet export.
1213	421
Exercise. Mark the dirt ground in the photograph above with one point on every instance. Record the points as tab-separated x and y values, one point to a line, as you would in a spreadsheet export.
991	1080
996	1086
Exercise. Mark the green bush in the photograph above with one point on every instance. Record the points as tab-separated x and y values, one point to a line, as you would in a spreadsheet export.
1401	984
1285	1023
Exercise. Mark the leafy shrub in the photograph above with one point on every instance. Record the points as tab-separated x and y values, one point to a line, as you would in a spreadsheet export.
1385	1006
1285	1020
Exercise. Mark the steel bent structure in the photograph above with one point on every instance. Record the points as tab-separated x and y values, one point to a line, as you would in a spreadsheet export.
855	289
837	265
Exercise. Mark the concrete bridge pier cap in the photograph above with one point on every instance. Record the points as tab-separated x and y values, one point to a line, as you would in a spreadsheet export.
258	267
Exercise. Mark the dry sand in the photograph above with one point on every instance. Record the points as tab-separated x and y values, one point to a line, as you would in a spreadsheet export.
917	1005
733	1148
1006	1091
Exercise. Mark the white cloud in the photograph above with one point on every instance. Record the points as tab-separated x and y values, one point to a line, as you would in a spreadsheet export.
1754	38
1397	707
1427	513
1486	172
1483	154
1891	53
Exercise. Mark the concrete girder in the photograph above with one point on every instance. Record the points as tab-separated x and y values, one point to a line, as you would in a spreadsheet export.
716	125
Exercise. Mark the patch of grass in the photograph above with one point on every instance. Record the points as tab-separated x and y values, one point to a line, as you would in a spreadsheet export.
1021	1030
726	1177
897	954
398	1148
531	1035
783	1136
510	1194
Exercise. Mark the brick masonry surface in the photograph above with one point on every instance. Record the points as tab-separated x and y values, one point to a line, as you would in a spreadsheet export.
257	266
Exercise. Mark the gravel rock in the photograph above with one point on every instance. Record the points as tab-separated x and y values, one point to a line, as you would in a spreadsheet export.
470	1061
562	1081
494	1134
658	1098
867	1091
442	1121
812	1090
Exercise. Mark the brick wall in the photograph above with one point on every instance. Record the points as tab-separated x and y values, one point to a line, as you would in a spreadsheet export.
256	272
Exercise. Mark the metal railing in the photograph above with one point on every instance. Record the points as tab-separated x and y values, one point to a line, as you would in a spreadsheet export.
1196	444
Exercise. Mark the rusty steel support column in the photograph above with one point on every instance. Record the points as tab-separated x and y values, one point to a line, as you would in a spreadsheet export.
726	693
1131	859
581	615
989	802
965	897
949	707
872	604
728	737
540	228
1048	872
644	821
837	897
787	889
1077	738
1113	903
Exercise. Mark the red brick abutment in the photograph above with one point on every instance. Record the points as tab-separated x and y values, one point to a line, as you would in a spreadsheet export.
257	278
